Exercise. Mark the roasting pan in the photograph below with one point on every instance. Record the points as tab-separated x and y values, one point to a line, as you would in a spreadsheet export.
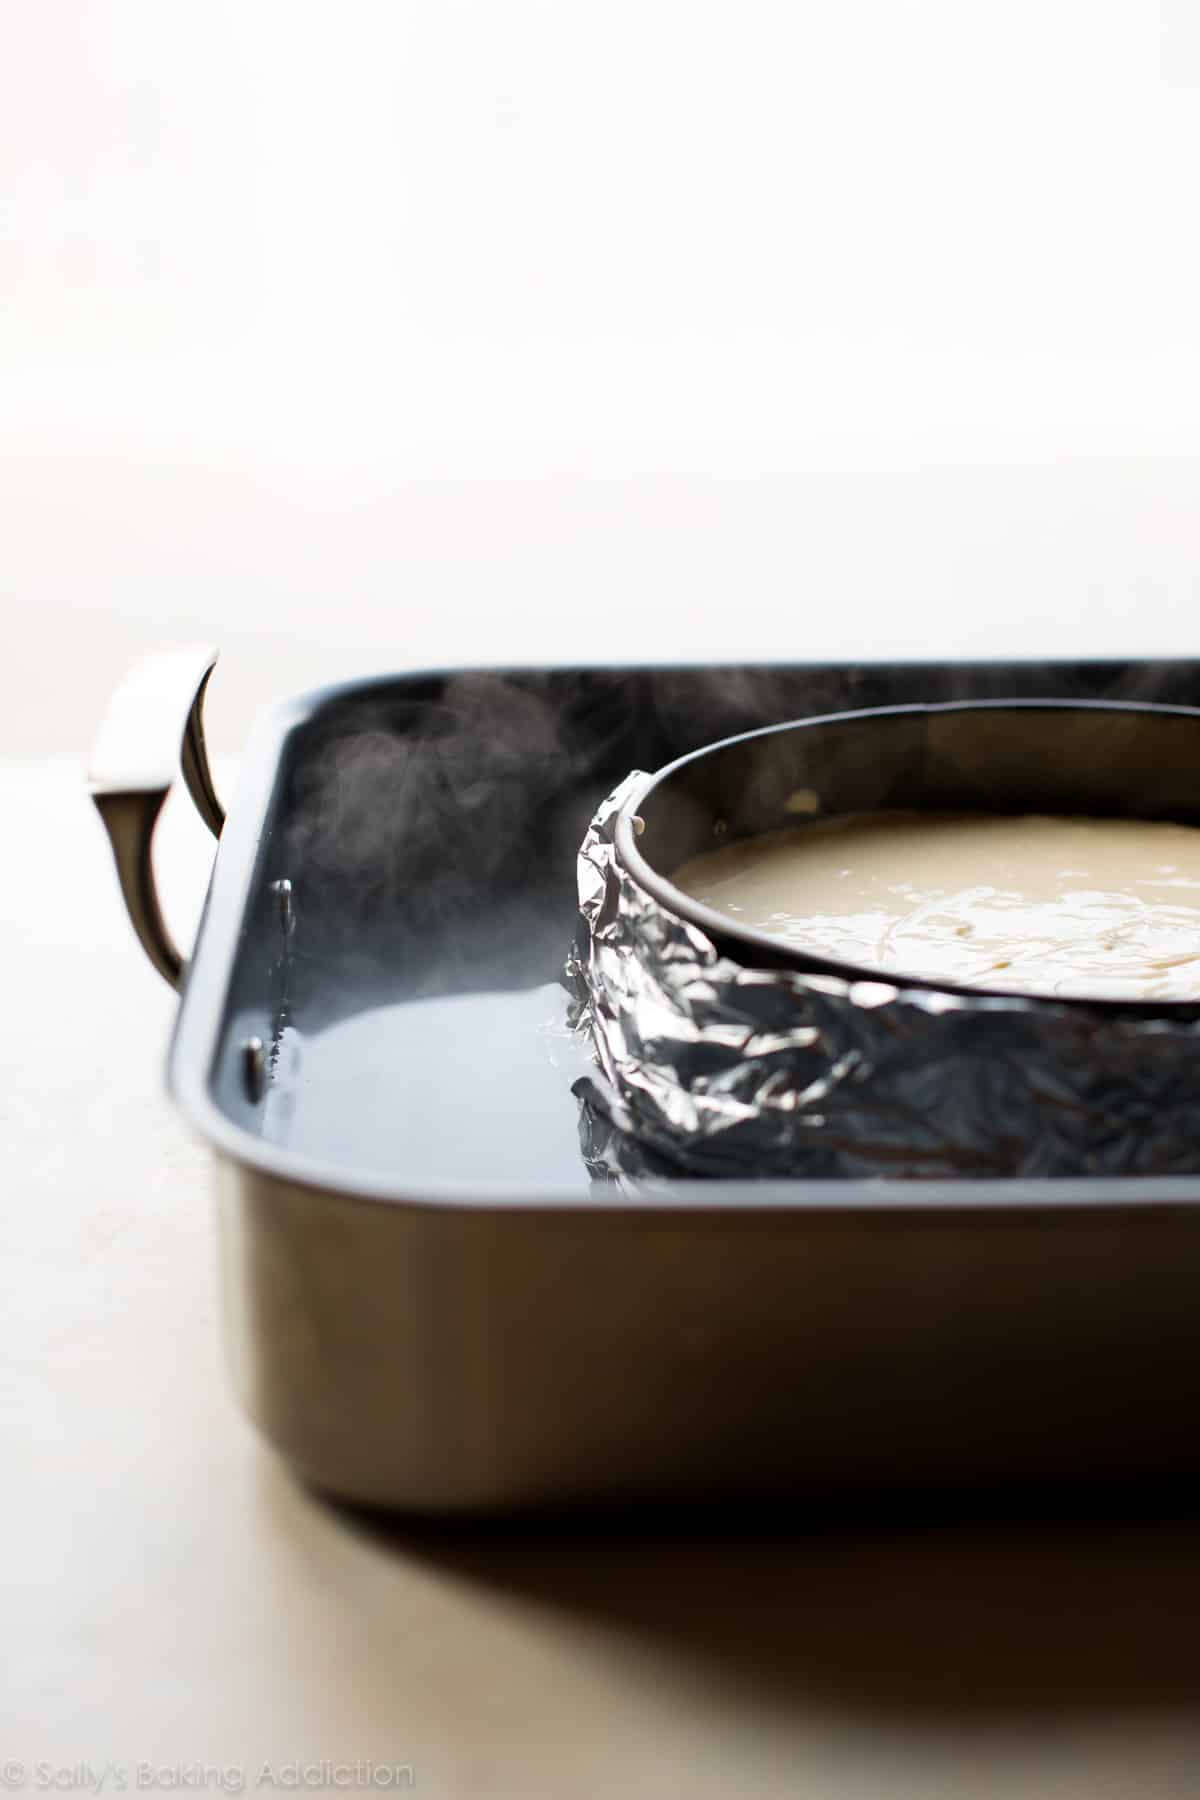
430	1303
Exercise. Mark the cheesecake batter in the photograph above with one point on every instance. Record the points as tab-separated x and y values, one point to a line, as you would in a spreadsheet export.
1101	908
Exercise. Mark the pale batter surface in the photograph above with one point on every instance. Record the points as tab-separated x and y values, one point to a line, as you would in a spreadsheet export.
1108	908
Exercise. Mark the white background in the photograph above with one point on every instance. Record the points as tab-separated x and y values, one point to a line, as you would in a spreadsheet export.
406	330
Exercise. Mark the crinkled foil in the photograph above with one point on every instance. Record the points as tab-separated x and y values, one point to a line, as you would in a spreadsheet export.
707	1067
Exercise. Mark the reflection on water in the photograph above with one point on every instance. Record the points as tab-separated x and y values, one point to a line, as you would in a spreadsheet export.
472	1087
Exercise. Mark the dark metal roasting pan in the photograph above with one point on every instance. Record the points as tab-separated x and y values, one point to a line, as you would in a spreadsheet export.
431	1302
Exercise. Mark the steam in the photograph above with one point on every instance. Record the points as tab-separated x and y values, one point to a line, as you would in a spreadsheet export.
436	825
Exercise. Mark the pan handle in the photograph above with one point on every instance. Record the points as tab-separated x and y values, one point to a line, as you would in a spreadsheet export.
154	722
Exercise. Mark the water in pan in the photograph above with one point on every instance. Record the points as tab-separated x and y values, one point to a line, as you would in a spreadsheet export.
472	1087
419	1033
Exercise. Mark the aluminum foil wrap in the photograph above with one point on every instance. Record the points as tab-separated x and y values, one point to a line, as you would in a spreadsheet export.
706	1067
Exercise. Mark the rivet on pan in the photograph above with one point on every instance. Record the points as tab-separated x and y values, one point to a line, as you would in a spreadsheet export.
639	825
287	910
254	1069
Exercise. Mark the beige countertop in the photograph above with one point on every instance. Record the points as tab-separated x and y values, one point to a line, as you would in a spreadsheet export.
173	1599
